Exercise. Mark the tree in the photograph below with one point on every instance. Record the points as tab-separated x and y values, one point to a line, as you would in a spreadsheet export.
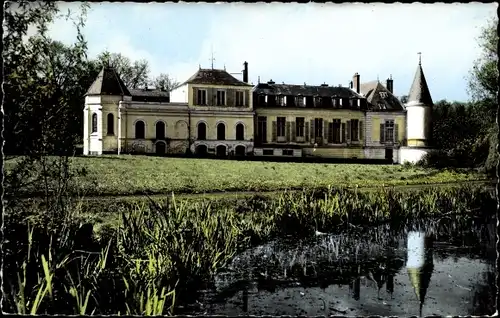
483	78
44	82
164	82
133	74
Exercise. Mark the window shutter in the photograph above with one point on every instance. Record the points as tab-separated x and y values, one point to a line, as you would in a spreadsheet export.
348	130
306	132
287	132
275	131
382	135
325	129
312	130
343	133
396	133
293	133
330	133
361	135
195	96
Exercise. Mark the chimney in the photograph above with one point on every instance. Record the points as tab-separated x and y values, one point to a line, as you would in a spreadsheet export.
355	82
350	85
245	72
324	84
390	84
270	82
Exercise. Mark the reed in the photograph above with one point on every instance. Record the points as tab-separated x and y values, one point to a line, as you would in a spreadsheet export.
160	252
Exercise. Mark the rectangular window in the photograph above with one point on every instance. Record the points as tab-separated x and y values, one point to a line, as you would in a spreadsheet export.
240	99
336	131
300	124
281	121
262	128
281	100
287	152
202	97
221	98
354	129
318	127
262	100
389	131
300	101
267	152
318	101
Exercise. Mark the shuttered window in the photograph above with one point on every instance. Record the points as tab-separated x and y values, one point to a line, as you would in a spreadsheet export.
262	128
281	126
336	135
355	129
361	132
344	139
330	133
382	133
300	125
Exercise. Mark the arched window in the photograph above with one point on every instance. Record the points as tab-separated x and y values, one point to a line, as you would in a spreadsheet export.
111	124
221	131
139	130
202	131
240	132
160	130
94	122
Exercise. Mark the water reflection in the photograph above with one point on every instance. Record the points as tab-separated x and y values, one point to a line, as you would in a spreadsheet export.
350	270
420	264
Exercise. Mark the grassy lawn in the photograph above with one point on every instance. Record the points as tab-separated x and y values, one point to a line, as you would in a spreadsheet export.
128	175
153	175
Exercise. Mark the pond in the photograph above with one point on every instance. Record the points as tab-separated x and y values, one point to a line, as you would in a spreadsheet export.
440	267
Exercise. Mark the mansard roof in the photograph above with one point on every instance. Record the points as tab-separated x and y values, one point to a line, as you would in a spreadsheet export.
305	90
108	82
379	97
419	92
214	77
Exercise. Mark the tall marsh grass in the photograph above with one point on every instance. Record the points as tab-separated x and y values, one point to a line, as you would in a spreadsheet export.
160	253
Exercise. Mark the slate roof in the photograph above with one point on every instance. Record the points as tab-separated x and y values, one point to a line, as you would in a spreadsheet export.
152	95
379	97
419	91
305	90
108	82
214	77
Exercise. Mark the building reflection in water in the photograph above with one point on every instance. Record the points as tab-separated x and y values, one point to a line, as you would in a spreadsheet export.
419	264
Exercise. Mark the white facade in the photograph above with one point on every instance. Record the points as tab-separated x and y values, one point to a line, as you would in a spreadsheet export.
418	122
179	94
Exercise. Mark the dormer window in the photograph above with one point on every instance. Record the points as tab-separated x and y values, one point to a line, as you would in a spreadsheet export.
318	101
300	101
281	100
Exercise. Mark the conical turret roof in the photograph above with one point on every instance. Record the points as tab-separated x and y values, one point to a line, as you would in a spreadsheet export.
419	91
108	82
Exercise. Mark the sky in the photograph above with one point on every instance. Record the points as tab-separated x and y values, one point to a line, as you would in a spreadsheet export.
293	43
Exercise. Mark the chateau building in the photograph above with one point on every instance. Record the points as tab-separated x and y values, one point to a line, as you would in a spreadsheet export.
213	113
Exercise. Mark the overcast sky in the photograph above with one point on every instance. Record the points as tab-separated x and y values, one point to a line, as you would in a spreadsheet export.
294	43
